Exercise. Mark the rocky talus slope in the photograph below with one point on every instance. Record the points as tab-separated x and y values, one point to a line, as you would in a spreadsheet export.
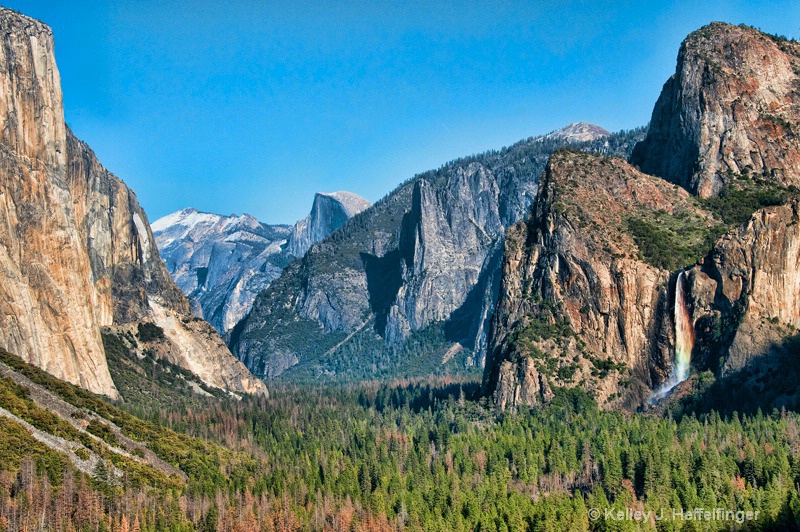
221	263
76	249
597	272
29	402
420	267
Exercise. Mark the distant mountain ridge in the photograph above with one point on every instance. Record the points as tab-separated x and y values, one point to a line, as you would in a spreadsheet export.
418	268
221	263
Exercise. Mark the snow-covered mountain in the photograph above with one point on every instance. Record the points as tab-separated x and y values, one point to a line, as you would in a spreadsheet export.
222	262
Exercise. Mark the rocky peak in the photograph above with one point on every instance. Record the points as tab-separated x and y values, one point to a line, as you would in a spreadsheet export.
37	132
329	212
193	225
351	203
191	219
579	132
730	109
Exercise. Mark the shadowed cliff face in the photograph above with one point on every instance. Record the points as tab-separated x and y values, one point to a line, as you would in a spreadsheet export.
399	267
589	282
449	235
732	107
125	265
77	251
132	282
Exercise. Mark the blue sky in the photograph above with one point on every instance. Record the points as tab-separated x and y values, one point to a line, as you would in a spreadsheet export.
254	106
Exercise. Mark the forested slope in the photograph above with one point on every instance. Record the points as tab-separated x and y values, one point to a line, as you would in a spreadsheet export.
414	456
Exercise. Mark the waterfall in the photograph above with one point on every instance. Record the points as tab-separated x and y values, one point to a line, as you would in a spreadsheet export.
684	340
684	332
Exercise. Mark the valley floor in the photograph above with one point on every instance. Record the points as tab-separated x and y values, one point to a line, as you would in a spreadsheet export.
423	455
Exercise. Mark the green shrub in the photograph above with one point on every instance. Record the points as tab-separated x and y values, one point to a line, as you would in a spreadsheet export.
672	242
16	443
565	373
150	332
103	431
737	203
602	367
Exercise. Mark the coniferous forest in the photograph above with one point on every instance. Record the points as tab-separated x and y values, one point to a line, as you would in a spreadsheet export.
425	455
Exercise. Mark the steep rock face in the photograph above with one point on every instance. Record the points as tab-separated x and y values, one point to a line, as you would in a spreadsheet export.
745	298
125	265
329	212
426	258
221	262
77	252
451	237
44	313
131	280
578	305
724	128
731	108
744	310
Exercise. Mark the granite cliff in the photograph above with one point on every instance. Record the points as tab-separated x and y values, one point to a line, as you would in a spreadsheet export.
620	278
76	249
745	297
46	287
732	107
329	212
